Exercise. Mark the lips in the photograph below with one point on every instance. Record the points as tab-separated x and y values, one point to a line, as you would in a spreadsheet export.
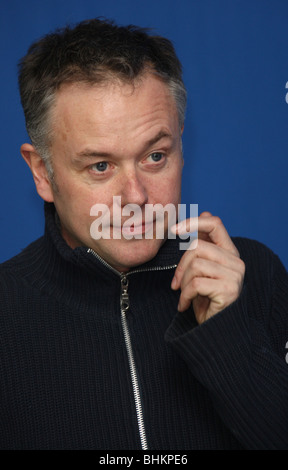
135	229
128	228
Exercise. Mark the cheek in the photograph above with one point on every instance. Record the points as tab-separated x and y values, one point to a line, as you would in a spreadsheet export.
169	189
164	194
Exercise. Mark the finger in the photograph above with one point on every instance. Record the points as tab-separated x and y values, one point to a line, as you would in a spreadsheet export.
230	281
202	235
205	214
200	286
206	268
221	294
185	226
206	251
209	225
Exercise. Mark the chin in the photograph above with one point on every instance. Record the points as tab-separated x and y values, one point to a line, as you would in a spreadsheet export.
136	253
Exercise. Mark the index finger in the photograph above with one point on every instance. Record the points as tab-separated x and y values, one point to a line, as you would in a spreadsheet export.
211	226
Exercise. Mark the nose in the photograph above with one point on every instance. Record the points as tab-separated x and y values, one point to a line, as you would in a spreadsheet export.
134	189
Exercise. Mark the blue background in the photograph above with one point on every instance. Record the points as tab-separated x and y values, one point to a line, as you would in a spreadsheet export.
235	59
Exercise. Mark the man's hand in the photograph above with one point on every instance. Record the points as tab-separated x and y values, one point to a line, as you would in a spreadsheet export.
211	275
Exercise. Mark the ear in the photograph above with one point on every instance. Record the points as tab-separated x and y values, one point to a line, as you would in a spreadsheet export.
39	172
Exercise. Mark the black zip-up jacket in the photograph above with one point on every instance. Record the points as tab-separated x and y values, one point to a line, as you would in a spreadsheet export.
77	373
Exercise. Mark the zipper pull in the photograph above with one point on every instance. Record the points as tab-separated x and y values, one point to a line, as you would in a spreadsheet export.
124	299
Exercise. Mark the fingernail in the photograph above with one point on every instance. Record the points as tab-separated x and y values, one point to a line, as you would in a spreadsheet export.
174	283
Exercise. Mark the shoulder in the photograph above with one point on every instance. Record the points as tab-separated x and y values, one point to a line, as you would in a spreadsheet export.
253	251
18	284
264	269
20	265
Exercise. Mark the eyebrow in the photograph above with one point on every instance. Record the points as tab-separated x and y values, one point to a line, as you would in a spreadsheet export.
91	153
161	135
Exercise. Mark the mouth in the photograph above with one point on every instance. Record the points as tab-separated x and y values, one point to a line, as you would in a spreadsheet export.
133	229
137	229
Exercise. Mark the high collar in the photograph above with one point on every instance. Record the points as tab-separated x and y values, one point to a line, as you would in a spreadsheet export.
169	254
81	280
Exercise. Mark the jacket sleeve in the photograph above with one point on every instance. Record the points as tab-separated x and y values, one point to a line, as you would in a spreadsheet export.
240	355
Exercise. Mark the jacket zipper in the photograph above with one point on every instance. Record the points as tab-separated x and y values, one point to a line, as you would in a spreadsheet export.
124	307
124	303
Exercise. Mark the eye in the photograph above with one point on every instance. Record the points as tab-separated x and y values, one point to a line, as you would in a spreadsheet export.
100	167
156	157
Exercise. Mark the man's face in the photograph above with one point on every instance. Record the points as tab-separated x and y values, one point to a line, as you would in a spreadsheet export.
115	140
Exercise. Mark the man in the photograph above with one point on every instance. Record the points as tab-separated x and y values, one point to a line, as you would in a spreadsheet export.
123	341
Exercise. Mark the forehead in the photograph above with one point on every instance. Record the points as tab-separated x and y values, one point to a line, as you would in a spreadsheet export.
114	108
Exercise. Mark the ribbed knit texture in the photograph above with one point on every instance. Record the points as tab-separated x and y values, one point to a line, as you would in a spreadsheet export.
64	374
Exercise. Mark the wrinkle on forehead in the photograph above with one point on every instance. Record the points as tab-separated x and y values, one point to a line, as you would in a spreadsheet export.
116	112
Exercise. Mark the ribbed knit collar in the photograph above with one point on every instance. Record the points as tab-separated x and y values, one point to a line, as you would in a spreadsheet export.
168	254
77	278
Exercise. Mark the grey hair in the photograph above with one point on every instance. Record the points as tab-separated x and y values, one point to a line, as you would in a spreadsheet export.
92	52
39	129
